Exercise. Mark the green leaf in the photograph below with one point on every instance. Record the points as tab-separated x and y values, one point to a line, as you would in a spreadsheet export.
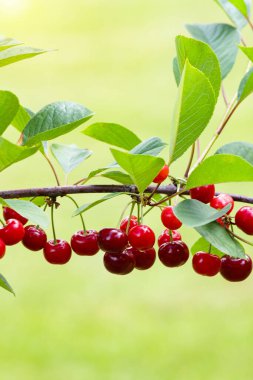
141	168
194	108
246	86
176	71
95	172
118	176
152	147
69	156
231	8
222	38
9	106
7	43
18	53
55	120
38	201
202	245
11	153
88	206
238	148
5	285
241	6
248	51
194	213
220	238
22	118
28	210
221	168
200	56
113	134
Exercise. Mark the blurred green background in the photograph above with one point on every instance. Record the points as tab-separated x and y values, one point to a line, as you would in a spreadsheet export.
78	321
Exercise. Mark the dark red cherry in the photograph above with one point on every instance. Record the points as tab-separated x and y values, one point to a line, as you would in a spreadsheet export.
2	249
244	219
165	237
112	240
124	222
169	219
203	193
206	264
9	213
57	253
235	269
173	254
35	238
141	237
221	201
119	262
143	259
162	175
85	244
13	232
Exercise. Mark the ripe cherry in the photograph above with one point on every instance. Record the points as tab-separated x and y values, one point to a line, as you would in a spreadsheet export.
169	219
13	232
162	175
141	237
35	238
9	213
203	193
143	259
165	237
2	249
235	269
85	244
124	223
221	201
206	264
112	240
119	262
173	254
58	252
244	219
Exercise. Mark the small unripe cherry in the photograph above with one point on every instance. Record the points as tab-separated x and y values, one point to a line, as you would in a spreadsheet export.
203	194
244	219
206	264
169	219
162	175
166	238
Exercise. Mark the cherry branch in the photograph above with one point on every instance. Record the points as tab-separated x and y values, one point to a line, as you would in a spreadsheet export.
61	191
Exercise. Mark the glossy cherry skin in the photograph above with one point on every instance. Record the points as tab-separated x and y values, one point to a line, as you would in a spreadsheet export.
143	259
85	244
13	232
8	213
234	269
119	262
112	240
221	201
206	264
244	219
2	249
169	219
59	253
165	237
174	254
162	175
141	237
35	238
124	222
203	193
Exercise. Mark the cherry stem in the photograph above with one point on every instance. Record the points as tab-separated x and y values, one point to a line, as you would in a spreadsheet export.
1	221
138	213
129	219
154	191
52	221
240	238
81	217
123	213
53	169
190	162
177	193
224	96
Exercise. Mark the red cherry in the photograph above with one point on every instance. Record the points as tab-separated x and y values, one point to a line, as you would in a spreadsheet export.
35	238
221	201
234	269
112	240
2	249
143	259
85	244
141	237
165	237
169	219
162	175
206	264
173	254
57	253
119	262
203	193
133	223
8	213
244	219
13	232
